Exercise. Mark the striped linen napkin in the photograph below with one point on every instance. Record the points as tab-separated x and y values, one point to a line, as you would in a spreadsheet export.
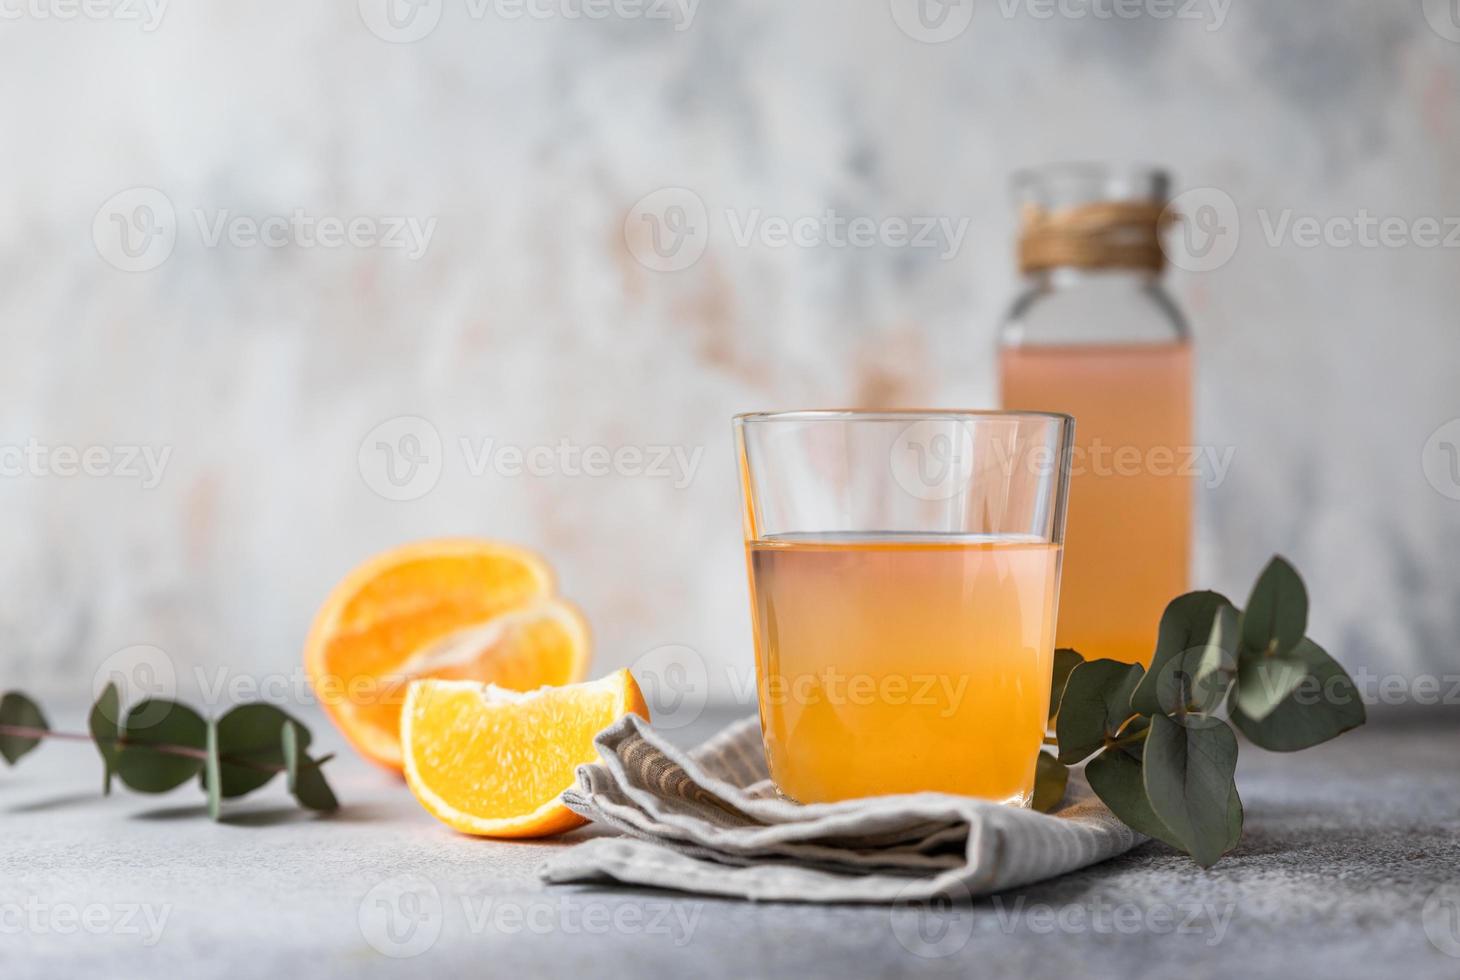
710	822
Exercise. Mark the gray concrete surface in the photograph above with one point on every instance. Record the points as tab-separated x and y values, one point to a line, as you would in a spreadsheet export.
1350	868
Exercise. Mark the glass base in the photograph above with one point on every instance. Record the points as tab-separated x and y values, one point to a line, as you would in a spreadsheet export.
1021	800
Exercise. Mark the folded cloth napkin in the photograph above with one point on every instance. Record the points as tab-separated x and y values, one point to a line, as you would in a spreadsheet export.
710	822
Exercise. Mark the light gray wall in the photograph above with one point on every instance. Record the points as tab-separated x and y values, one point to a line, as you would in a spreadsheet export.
530	319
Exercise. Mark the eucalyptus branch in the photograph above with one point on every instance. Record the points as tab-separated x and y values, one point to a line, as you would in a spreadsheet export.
1213	664
182	751
162	744
21	731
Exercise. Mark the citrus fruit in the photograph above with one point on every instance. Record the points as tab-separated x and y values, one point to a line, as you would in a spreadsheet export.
492	762
459	608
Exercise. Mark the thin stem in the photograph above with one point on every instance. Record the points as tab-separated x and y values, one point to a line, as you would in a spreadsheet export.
185	751
1130	738
24	732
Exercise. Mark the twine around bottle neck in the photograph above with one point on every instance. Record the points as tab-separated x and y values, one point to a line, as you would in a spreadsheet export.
1103	235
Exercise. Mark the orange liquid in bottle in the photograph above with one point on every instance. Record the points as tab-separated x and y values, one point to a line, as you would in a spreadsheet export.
903	663
1128	538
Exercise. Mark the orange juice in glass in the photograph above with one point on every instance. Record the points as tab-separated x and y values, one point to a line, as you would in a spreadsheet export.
904	577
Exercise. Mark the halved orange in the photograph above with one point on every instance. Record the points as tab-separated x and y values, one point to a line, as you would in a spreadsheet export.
457	608
494	763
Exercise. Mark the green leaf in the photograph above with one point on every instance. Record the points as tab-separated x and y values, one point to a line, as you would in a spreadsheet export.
105	723
20	711
1185	625
251	746
1116	778
1264	682
1188	772
1050	779
213	774
1197	680
1235	815
1273	624
1216	669
1064	662
1325	704
289	740
157	722
306	781
311	789
1095	706
1268	668
1276	615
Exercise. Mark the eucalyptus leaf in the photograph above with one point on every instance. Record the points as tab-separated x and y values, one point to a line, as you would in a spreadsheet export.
1216	669
1265	681
1276	615
1096	704
1116	778
1325	704
1064	662
306	781
251	747
1196	681
1272	626
1050	779
212	774
289	740
311	790
21	712
1188	772
149	769
1185	625
1235	816
105	725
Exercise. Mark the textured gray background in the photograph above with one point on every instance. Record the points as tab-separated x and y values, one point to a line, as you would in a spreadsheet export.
529	319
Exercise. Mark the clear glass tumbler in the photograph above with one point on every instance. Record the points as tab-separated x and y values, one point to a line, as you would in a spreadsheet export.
904	581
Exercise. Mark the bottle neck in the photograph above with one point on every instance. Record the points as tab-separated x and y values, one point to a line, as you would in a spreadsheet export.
1099	236
1082	306
1074	277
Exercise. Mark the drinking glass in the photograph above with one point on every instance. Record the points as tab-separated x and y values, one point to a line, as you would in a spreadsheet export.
904	580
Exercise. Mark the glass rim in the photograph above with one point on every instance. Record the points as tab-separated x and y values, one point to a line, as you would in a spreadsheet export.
901	415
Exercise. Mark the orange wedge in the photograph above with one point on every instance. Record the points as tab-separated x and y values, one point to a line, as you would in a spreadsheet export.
494	763
459	608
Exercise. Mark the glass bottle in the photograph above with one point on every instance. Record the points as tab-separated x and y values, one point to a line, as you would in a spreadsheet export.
1094	334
